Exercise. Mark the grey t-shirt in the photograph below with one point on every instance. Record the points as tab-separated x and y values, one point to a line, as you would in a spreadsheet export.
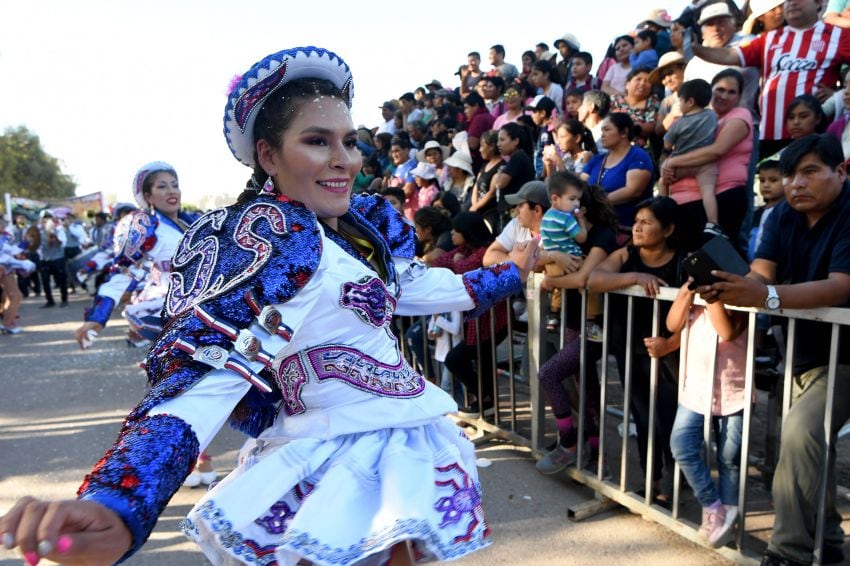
692	131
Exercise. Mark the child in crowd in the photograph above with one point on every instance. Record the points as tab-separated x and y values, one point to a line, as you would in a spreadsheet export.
644	54
772	192
581	79
694	129
426	181
710	382
562	229
572	102
544	116
445	330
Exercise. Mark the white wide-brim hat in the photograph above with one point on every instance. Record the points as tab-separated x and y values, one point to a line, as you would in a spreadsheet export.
268	75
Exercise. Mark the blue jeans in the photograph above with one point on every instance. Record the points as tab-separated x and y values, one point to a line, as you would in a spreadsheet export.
686	443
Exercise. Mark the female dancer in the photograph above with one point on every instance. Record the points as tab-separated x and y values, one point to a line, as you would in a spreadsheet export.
279	314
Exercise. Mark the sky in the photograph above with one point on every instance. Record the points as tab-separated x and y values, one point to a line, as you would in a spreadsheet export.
111	85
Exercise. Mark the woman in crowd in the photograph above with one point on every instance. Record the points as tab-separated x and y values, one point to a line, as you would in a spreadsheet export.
295	252
515	102
639	103
515	147
461	180
732	150
563	367
484	196
471	237
765	16
575	147
625	172
528	60
651	261
436	155
433	233
545	77
383	143
670	74
615	78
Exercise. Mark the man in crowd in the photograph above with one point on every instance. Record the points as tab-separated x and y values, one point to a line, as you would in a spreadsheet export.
388	110
793	59
478	121
52	252
567	46
500	68
803	262
471	73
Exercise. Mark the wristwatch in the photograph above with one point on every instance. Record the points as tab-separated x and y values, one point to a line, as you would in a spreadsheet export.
772	302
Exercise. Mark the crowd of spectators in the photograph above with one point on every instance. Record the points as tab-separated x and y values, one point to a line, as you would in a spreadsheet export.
675	136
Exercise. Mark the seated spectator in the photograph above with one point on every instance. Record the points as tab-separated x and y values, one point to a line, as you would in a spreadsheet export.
580	78
567	46
402	175
696	129
528	60
573	150
805	116
515	147
383	145
531	203
433	233
425	175
500	68
409	111
713	376
639	103
479	120
732	151
765	15
435	154
669	74
651	261
643	54
572	103
461	179
471	238
771	189
514	104
483	198
614	81
388	112
659	21
544	78
595	106
545	116
396	198
370	172
558	376
837	13
418	133
625	172
840	128
448	204
492	89
805	247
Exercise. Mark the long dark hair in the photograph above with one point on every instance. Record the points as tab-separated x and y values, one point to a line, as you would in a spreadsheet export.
812	103
276	116
474	230
433	218
666	211
576	128
518	132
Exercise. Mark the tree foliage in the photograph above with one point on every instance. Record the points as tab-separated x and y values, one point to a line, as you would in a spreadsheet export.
27	171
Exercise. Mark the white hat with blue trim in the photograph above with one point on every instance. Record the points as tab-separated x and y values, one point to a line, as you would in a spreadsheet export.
268	75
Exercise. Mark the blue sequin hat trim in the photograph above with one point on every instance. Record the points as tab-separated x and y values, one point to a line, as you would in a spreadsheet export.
142	174
268	75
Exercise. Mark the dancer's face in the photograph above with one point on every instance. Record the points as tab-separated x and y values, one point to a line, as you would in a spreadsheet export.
164	194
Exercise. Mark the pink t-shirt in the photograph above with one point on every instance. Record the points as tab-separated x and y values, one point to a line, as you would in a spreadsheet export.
729	372
732	168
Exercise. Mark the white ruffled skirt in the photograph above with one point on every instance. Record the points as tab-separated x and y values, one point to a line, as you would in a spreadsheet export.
347	500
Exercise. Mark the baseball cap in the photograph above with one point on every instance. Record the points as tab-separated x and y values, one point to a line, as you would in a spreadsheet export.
534	192
435	83
541	102
389	105
719	10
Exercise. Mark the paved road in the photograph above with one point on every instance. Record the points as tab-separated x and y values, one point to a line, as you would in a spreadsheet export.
60	408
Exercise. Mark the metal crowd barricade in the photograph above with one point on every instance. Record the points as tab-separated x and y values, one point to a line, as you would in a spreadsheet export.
530	430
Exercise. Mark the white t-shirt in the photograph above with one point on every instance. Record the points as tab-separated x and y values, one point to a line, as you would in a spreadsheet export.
512	234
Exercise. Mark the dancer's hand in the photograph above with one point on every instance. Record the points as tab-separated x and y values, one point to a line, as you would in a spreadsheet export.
70	532
82	333
524	255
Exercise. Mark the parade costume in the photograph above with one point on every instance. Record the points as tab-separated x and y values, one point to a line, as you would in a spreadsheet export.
282	323
144	242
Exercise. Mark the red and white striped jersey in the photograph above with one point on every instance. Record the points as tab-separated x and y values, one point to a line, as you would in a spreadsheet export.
793	61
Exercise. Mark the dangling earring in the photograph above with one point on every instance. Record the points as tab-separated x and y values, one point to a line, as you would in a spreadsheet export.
268	186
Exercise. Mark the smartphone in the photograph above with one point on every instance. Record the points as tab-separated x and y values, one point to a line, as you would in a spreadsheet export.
717	254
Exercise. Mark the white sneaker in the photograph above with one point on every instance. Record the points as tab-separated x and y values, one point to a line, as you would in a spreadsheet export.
197	478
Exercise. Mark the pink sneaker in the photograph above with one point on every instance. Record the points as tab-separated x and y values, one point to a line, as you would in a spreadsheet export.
716	527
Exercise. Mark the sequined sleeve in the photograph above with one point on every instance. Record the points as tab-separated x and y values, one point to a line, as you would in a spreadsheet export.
142	471
490	285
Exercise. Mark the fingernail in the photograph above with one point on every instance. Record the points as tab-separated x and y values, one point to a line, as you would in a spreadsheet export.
63	545
31	558
8	540
45	547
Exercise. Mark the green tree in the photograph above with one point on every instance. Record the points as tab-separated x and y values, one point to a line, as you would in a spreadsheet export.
27	171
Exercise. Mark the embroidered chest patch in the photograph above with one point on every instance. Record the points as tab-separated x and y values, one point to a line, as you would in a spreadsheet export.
370	300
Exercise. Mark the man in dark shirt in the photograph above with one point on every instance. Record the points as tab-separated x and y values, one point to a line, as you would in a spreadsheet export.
806	253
